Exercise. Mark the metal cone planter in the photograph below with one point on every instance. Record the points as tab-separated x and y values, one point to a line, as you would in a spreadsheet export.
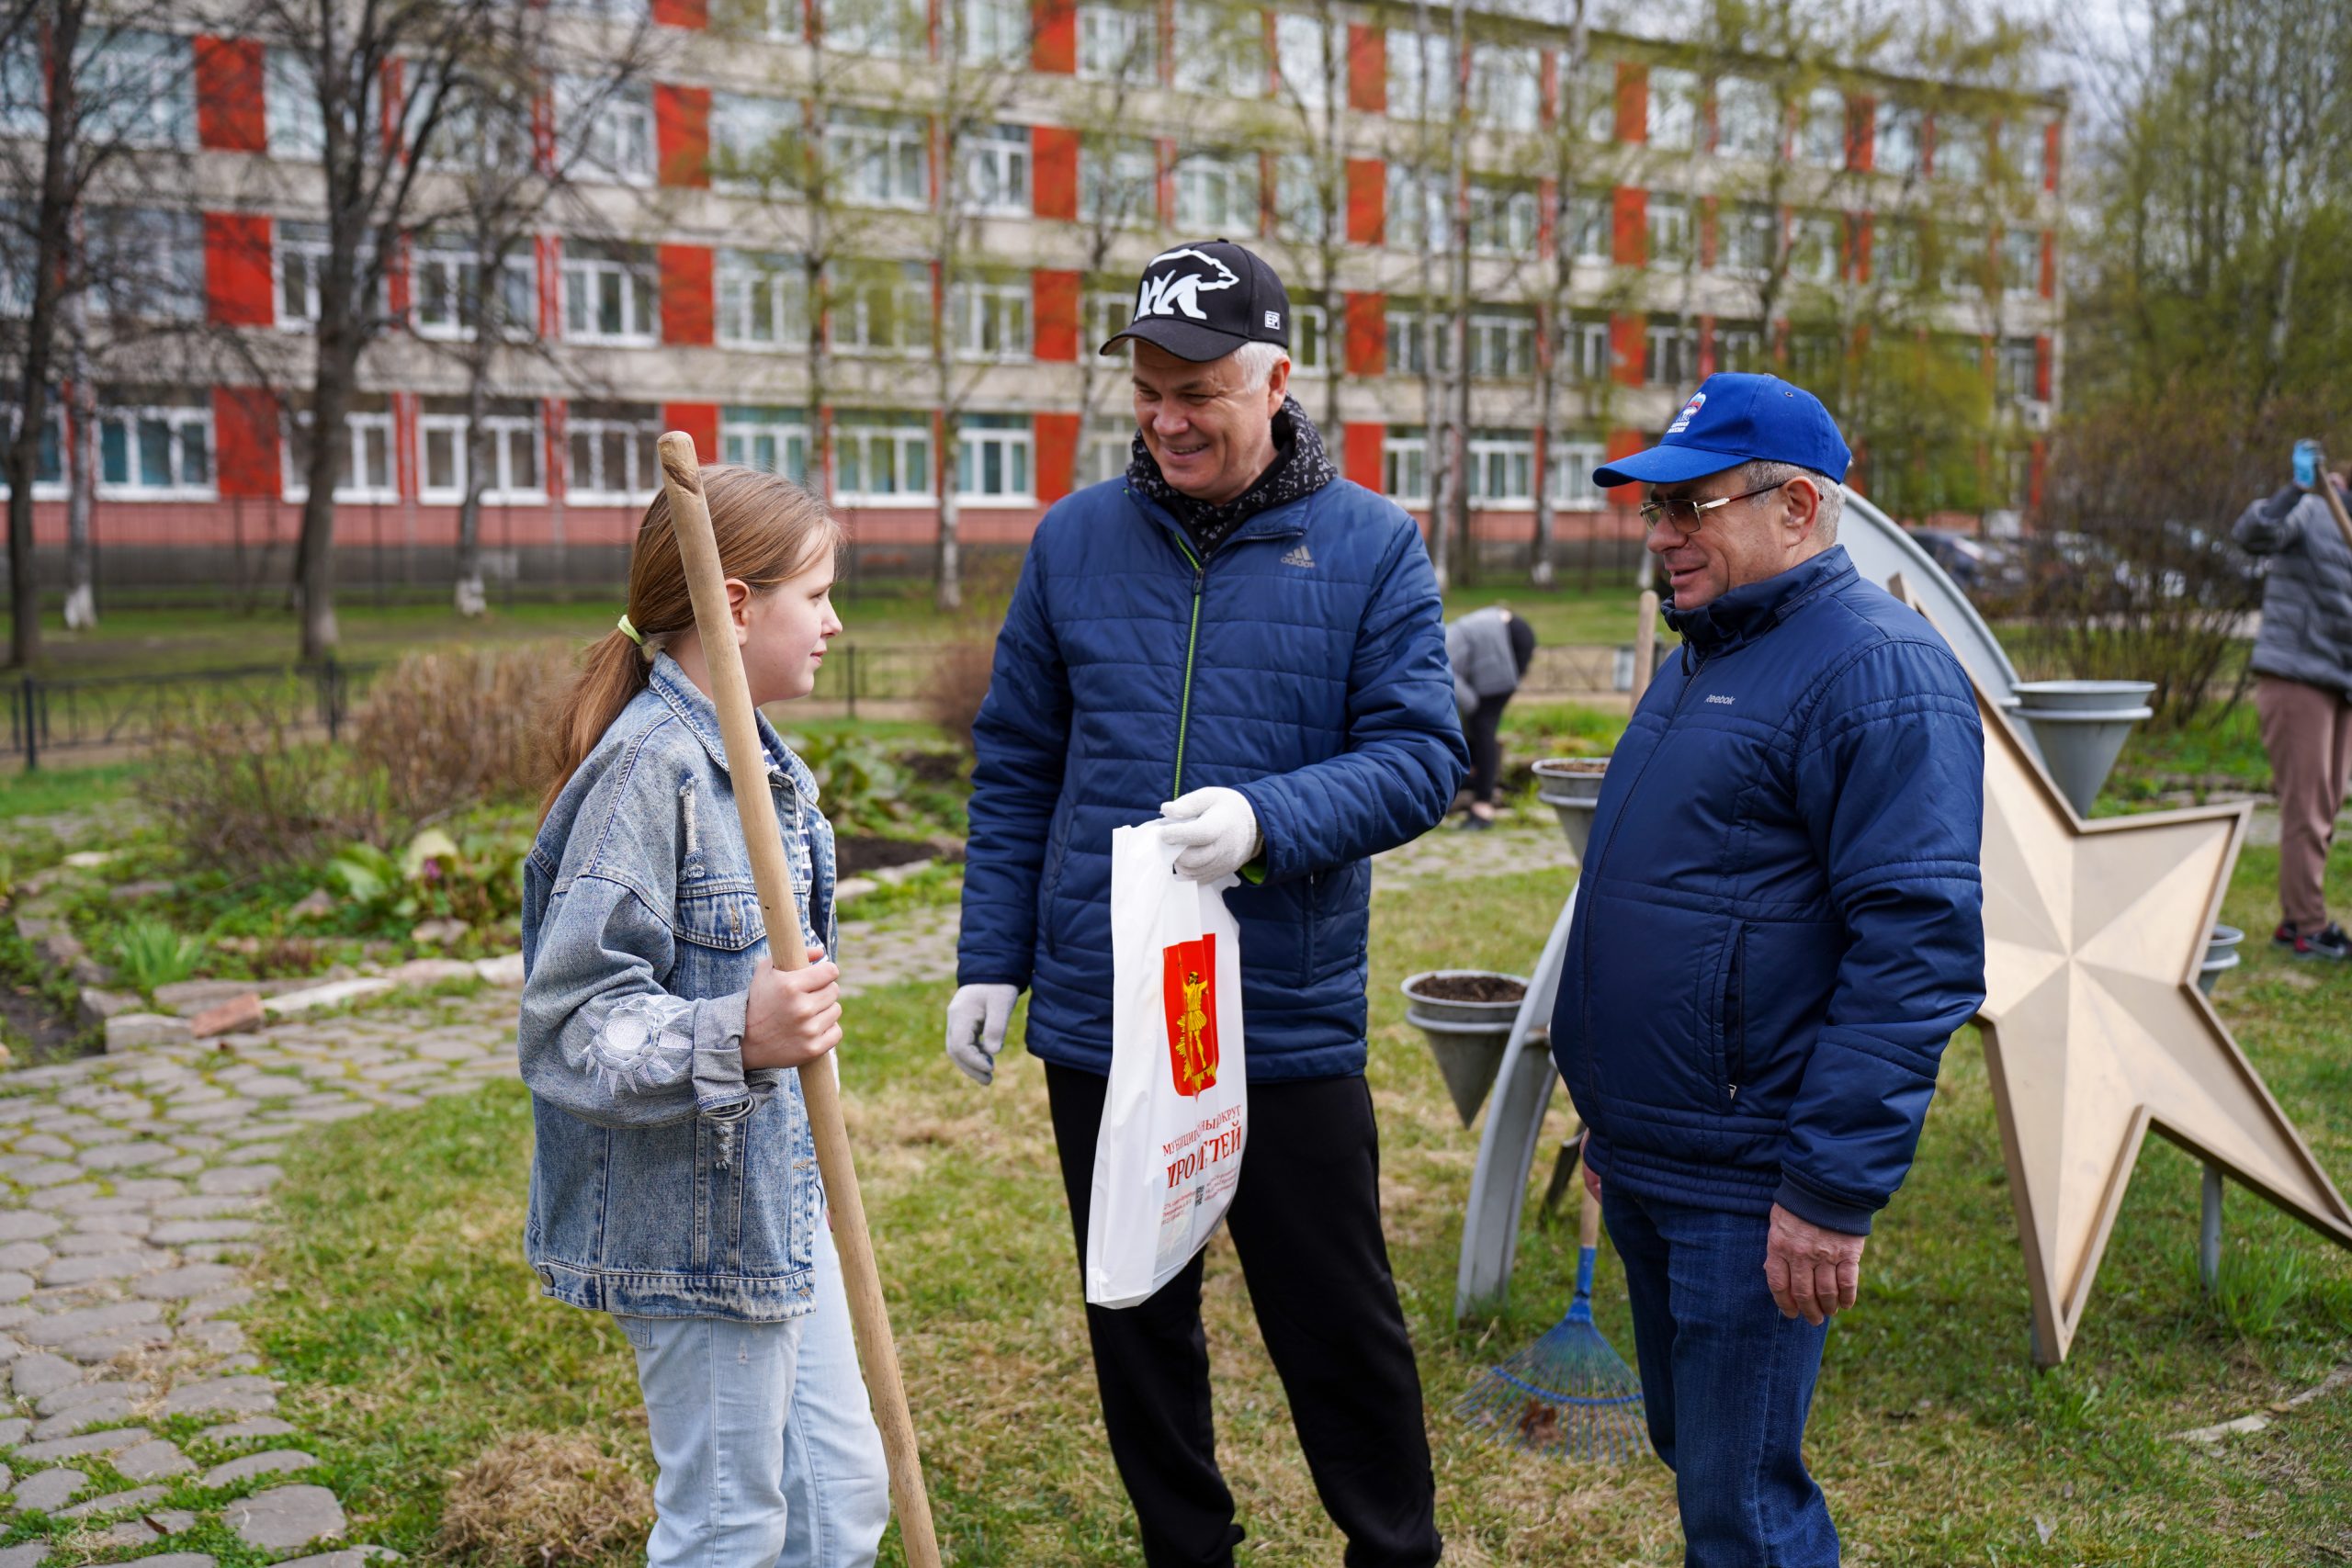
1466	1037
1571	787
2079	728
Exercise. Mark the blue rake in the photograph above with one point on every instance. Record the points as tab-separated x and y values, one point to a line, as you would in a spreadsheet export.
1570	1394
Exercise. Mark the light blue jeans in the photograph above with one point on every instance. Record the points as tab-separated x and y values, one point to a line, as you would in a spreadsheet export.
768	1452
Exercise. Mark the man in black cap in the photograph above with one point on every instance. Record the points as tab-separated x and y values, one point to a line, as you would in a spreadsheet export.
1236	638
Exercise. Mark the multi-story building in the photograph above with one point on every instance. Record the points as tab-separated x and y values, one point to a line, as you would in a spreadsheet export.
1720	212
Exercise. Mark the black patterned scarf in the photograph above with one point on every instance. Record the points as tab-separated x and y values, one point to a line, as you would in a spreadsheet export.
1299	469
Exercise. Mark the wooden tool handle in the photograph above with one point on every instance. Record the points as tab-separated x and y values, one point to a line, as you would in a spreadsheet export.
1644	646
1589	1220
2334	501
747	765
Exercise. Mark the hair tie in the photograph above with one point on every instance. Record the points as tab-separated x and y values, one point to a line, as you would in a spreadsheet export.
629	631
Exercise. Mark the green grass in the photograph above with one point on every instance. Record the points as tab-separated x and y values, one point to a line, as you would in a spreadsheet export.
411	1337
51	790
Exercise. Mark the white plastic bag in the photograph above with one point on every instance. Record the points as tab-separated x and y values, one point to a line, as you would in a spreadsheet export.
1176	1111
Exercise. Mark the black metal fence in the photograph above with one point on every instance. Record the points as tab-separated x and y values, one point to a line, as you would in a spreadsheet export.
52	713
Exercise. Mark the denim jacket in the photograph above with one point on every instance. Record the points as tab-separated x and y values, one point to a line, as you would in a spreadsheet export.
666	1180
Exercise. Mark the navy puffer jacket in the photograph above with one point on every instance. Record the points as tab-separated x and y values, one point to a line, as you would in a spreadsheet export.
1302	665
1780	920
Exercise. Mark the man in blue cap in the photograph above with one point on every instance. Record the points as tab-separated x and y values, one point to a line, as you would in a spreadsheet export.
1778	926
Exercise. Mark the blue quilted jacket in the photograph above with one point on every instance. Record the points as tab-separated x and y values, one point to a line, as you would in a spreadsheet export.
1779	922
1303	664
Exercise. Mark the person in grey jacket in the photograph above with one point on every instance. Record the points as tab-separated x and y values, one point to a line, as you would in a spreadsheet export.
1489	651
2302	667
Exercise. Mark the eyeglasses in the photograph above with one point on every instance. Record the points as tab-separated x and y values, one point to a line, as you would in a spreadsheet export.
1684	515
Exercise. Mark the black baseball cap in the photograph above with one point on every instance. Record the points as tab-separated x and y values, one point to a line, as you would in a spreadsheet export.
1203	301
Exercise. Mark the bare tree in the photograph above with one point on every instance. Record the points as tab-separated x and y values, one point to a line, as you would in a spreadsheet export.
1118	189
1310	208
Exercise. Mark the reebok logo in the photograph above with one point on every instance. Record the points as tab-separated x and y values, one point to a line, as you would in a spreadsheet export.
1719	697
1299	556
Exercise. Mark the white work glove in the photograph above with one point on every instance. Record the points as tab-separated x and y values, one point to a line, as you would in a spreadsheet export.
1217	830
976	1019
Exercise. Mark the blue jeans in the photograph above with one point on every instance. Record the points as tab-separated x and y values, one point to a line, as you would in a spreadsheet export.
765	1439
1726	1383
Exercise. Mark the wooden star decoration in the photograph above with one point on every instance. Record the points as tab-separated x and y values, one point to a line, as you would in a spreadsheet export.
2095	1028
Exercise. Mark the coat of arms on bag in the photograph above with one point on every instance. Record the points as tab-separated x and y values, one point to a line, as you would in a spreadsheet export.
1189	994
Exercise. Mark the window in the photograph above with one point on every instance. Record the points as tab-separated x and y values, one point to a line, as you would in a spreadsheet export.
762	301
1894	140
1961	258
990	320
2020	263
1585	352
1303	59
1220	49
1895	253
773	440
1747	118
1739	346
995	455
1591	236
608	451
48	453
1821	135
881	458
1110	446
1117	43
1118	183
1310	337
881	157
1300	211
2025	143
139	88
1420	209
1418	344
1749	237
1502	343
996	170
1669	218
1671	355
149	262
1959	150
297	128
156	452
604	129
449	298
299	263
511	455
1594	89
883	309
1507	86
1502	220
1674	110
1107	315
1420	64
1216	193
2016	370
611	10
1816	250
1502	467
366	475
749	139
608	295
1405	465
23	94
1572	463
891	28
994	31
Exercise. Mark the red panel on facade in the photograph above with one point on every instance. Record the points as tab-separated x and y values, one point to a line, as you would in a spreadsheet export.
692	14
1625	443
1053	186
1861	133
686	294
1708	230
1706	347
1367	69
2036	468
1361	451
1865	232
1629	232
1367	334
1626	342
2043	369
697	420
1633	101
681	133
1053	300
245	442
1056	450
2049	265
2050	156
1367	201
1052	37
236	270
229	117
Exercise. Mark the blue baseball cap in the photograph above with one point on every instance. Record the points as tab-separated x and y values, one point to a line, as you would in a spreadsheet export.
1734	419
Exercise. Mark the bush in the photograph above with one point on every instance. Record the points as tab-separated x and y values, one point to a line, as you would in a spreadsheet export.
957	685
444	731
235	785
477	878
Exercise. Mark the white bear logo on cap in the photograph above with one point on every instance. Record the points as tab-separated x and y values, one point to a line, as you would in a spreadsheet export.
1180	288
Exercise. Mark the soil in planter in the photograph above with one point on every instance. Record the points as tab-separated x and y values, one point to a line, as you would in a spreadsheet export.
1472	989
856	856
